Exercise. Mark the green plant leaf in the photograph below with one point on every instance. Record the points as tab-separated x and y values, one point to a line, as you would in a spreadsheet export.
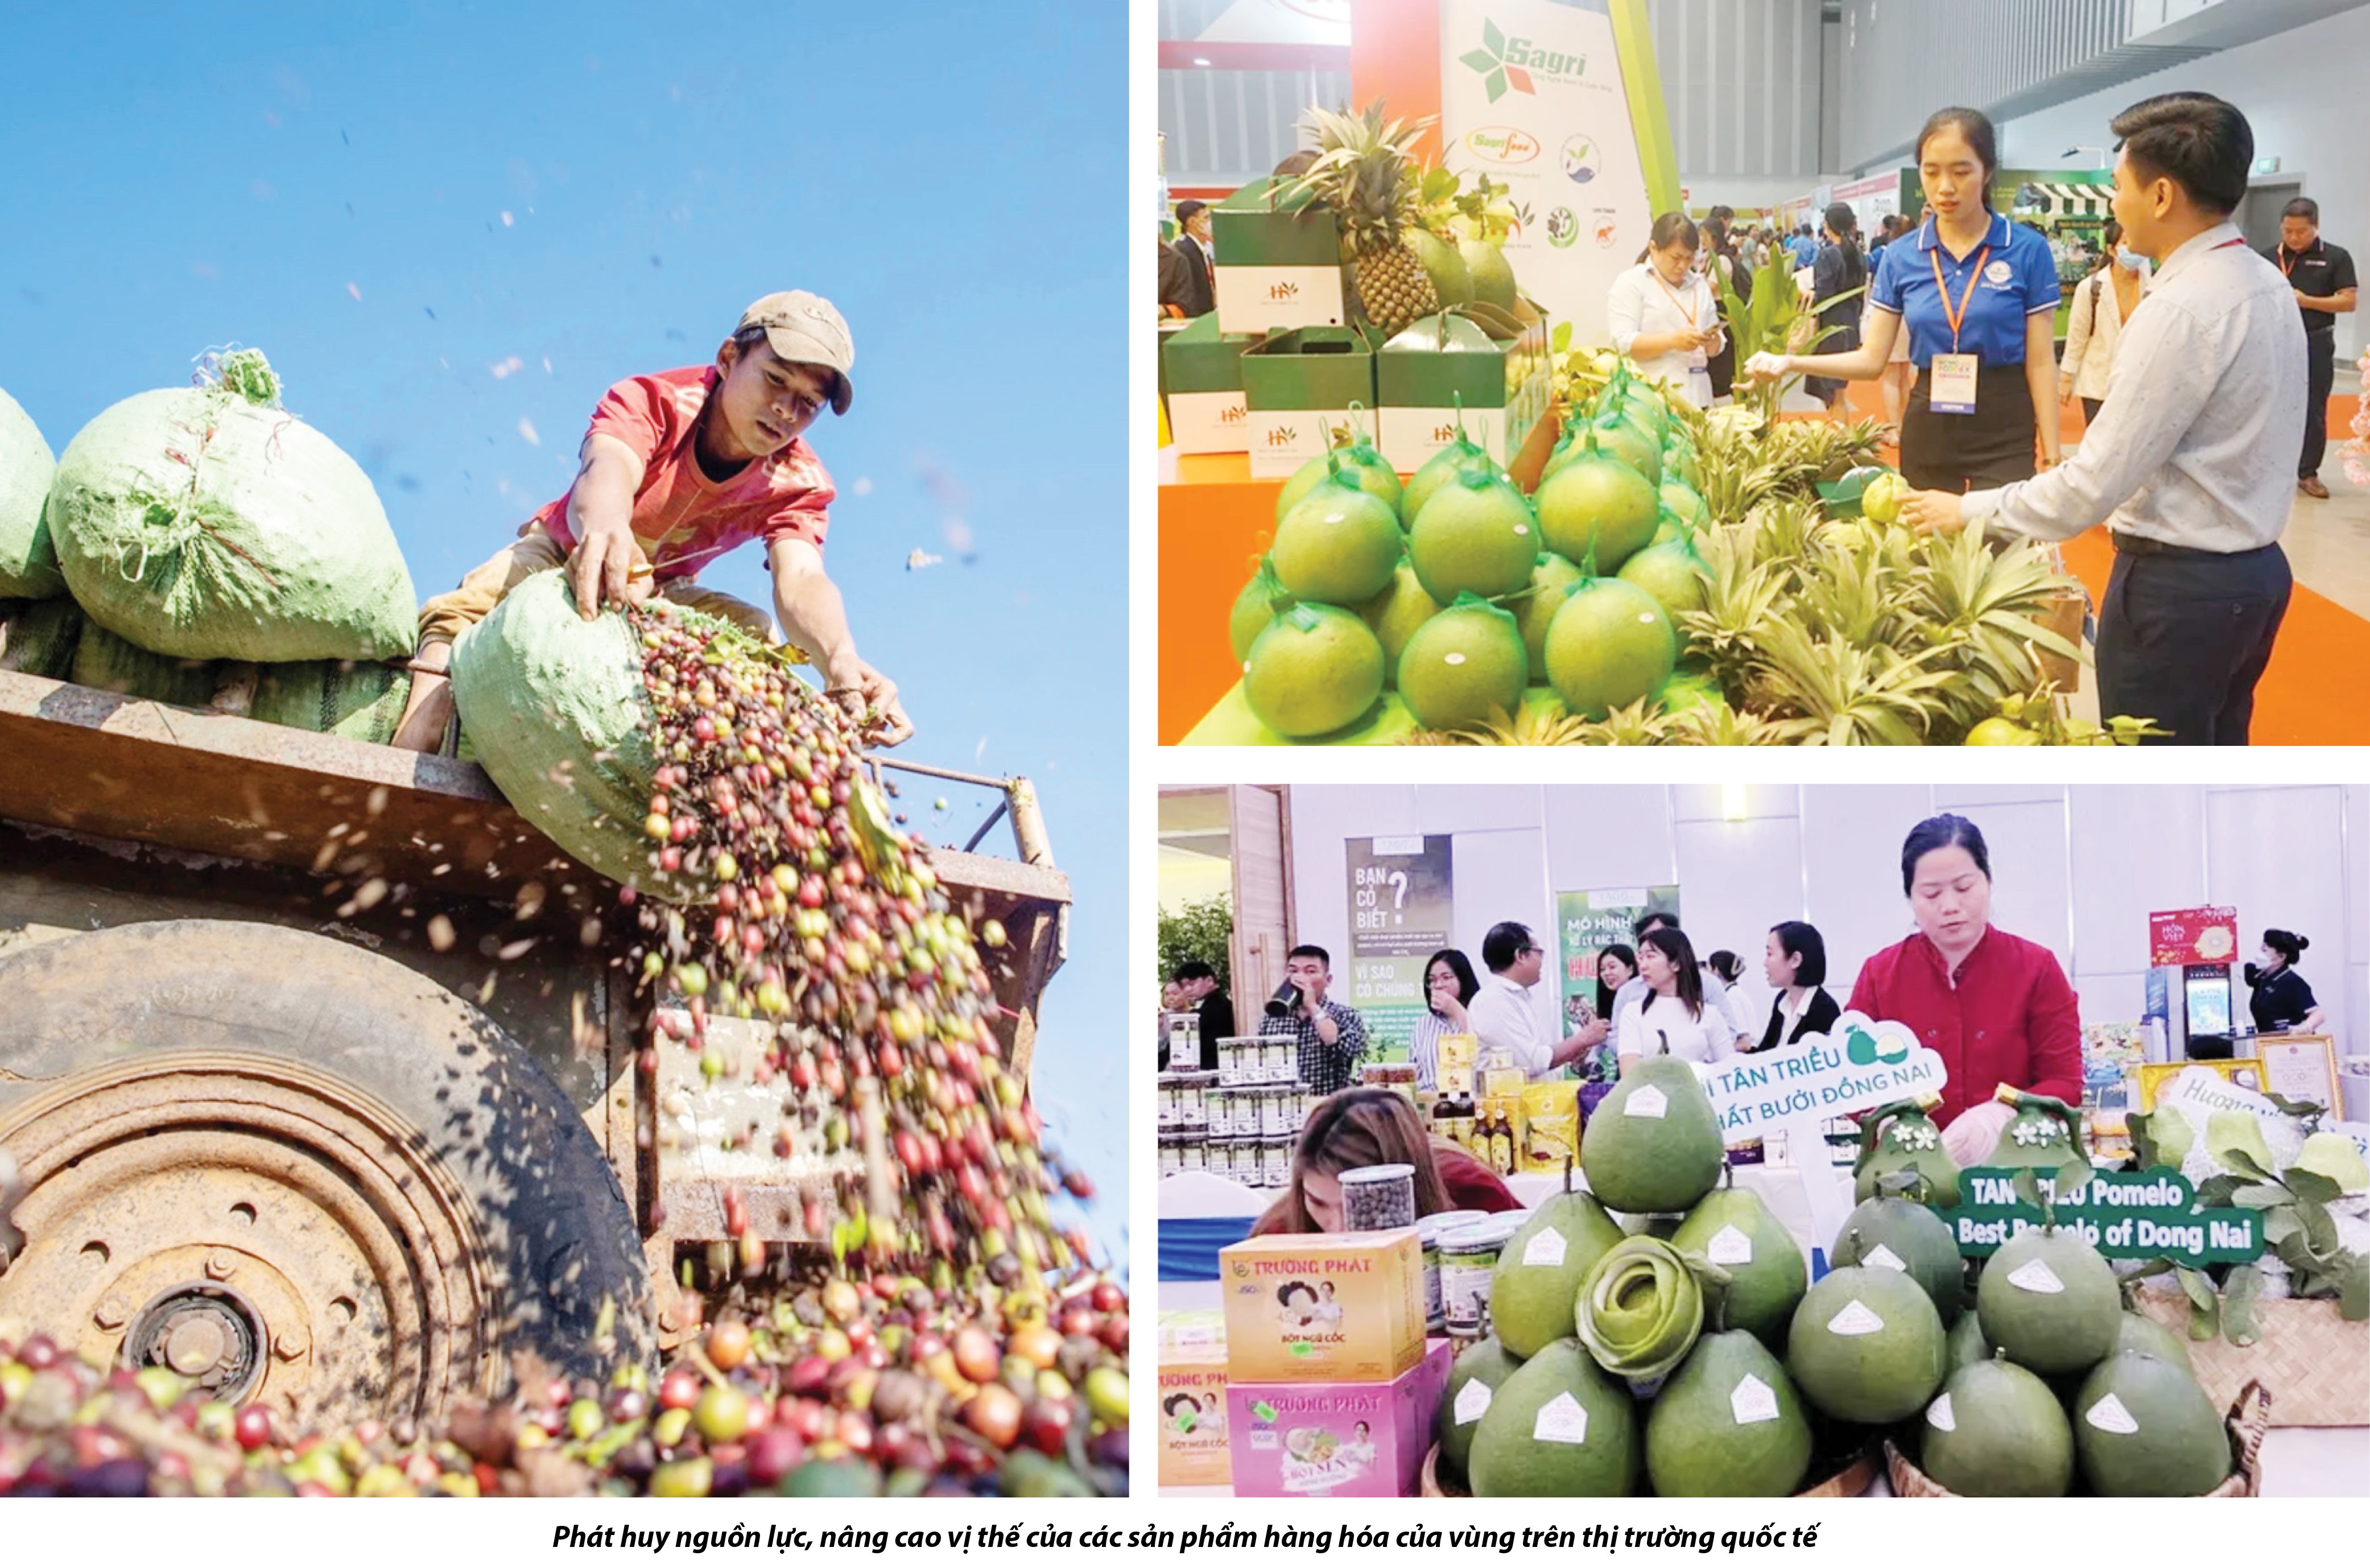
2238	1294
2244	1164
2257	1195
1561	339
2204	1307
2312	1186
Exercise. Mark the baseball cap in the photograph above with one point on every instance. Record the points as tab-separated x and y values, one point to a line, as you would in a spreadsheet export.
803	327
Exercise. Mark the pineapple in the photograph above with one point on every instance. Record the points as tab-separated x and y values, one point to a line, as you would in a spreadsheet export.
1365	171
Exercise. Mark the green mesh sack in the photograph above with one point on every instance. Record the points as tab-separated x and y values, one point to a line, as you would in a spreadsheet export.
555	709
209	523
38	637
110	664
28	567
333	696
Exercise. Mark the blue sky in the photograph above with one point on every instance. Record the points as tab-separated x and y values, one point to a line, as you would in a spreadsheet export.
451	227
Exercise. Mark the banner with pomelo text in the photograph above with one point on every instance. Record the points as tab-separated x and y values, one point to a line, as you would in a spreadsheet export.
1531	93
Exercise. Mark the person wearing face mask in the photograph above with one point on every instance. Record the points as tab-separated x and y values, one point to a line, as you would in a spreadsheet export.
2190	465
1977	295
2282	1003
1662	313
1996	1007
2102	302
1449	988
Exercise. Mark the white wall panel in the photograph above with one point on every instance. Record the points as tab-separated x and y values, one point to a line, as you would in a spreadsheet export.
1503	876
2138	848
1736	880
1851	848
1964	798
2272	854
2029	876
1462	808
1604	836
1709	803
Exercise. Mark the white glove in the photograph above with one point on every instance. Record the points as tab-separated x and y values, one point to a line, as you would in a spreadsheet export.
1767	366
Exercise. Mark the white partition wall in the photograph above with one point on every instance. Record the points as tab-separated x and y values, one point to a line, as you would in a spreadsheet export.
2077	868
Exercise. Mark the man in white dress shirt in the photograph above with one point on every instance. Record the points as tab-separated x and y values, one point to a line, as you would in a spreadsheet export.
2189	464
1506	1022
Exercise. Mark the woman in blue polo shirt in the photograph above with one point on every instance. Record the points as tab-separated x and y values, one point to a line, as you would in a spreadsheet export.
1978	296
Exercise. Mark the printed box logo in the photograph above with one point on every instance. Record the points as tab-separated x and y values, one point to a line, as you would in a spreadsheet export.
1282	435
1515	64
1287	290
1502	144
1233	414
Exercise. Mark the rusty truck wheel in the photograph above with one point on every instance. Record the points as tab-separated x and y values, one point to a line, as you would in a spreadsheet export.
295	1172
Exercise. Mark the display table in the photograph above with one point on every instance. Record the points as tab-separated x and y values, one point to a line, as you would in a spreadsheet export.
2297	1461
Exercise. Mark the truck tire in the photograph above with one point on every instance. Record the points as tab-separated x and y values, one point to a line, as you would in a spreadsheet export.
352	1181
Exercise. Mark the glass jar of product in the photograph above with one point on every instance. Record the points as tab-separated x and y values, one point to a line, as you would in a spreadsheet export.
1229	1157
1467	1259
1170	1099
1230	1062
1429	1230
1279	1114
1218	1104
1378	1197
1196	1154
1279	1060
1194	1107
1275	1161
1172	1155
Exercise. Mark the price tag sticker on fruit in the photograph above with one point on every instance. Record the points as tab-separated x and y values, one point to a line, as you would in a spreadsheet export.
1861	1064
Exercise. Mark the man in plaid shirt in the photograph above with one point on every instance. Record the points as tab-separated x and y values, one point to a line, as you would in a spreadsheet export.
1332	1038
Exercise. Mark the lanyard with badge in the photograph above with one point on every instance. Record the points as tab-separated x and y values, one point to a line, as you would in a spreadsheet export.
1697	358
1954	388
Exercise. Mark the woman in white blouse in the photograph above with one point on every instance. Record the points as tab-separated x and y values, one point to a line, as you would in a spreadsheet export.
1662	313
1674	1018
2102	302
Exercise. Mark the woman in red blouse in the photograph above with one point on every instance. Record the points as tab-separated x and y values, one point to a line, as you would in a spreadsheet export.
1997	1009
1376	1126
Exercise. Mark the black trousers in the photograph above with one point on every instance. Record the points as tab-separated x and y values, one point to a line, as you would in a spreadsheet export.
2091	407
1987	449
2183	637
2320	361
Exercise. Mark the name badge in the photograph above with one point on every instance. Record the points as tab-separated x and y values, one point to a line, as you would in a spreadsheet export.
1954	389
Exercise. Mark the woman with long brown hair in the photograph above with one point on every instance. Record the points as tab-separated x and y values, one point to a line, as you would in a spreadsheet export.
1359	1127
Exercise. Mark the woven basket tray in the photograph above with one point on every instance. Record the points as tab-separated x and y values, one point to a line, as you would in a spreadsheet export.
2313	1359
2249	1418
1850	1482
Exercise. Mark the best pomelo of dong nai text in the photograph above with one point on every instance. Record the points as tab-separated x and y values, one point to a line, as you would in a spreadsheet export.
1596	504
1610	644
1551	578
1866	1345
1893	1233
28	562
2144	1428
1734	1229
1460	457
1652	1144
1996	1431
1493	274
1728	1424
1316	668
1462	665
1675	576
1337	545
1395	613
209	523
1475	536
1452	280
1254	607
1474	1378
1535	1285
1557	1427
1359	462
2049	1301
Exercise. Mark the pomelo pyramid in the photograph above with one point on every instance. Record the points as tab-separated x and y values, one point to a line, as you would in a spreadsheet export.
1630	433
1551	578
1865	1346
1396	613
2049	1301
1996	1431
1679	499
1596	504
2144	1428
1728	1424
1315	669
1480	1370
1557	1427
1462	665
1458	457
1676	577
1965	1344
1254	607
1339	544
1893	1233
1475	536
1640	1310
1733	1227
1609	644
1653	1145
1359	459
1537	1281
2138	1334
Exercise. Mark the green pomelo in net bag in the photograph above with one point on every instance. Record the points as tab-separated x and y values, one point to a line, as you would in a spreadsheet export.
29	565
108	663
205	524
38	637
333	696
557	715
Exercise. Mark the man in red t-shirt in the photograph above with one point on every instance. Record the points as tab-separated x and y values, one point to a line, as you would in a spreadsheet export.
679	467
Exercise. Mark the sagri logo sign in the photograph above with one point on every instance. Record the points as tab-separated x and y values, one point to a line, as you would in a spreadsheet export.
1515	64
1502	144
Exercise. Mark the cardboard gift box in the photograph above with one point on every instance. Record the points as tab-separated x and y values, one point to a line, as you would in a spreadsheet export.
1492	363
1202	377
1323	1309
1335	1439
1298	386
1192	1408
1277	264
